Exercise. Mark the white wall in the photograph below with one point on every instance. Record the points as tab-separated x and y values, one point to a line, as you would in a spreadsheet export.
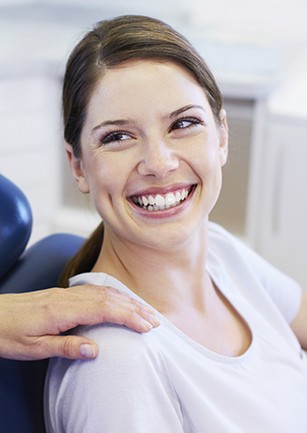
279	20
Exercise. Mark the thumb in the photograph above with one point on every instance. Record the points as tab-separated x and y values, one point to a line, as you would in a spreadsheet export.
72	347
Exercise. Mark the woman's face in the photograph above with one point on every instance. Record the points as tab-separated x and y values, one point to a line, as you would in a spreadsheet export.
151	153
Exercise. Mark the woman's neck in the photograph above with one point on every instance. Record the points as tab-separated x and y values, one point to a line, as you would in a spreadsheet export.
165	279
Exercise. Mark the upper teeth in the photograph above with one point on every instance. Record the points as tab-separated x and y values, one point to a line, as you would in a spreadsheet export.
161	201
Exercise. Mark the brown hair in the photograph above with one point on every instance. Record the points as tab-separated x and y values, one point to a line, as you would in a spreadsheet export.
109	44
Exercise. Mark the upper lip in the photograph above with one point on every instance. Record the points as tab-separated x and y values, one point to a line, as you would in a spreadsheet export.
161	190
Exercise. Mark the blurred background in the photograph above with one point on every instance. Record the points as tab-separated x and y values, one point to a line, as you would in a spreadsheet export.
258	53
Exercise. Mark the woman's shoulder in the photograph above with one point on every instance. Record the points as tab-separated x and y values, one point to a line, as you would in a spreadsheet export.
118	339
223	243
227	245
129	374
218	233
121	351
126	359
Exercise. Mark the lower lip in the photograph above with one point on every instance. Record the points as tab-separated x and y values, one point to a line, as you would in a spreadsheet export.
165	213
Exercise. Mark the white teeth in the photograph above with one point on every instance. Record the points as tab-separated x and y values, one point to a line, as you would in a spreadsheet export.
151	200
159	201
170	199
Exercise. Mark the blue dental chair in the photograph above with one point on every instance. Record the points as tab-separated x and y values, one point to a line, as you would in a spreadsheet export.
26	269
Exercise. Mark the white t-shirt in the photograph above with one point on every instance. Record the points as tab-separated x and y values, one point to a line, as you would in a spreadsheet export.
164	382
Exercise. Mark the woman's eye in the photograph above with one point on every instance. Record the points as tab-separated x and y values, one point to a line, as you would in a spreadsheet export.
185	123
117	136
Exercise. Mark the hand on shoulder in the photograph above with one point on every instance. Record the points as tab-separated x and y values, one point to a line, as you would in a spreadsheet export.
31	323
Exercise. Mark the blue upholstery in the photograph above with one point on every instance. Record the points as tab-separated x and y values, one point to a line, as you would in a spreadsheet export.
15	224
38	267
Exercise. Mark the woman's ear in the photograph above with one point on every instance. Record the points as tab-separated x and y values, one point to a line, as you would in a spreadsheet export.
223	133
77	169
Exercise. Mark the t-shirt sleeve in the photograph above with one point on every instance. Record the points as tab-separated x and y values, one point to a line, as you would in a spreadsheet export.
285	292
125	389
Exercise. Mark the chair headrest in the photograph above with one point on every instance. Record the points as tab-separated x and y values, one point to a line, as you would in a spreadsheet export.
15	223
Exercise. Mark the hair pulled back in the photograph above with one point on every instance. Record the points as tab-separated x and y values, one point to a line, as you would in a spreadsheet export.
109	44
113	42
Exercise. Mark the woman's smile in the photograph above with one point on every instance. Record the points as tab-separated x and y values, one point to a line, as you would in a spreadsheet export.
161	201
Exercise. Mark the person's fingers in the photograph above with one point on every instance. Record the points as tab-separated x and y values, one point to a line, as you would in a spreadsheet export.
74	347
64	346
31	321
105	304
122	309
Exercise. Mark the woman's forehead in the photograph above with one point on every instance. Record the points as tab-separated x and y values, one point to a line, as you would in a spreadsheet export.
154	80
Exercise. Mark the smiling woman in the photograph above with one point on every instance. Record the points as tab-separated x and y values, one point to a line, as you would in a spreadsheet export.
169	147
147	137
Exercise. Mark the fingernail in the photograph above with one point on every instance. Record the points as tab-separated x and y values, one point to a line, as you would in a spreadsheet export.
153	320
87	351
147	325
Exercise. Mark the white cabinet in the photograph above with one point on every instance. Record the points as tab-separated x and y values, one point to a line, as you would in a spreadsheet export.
231	209
282	225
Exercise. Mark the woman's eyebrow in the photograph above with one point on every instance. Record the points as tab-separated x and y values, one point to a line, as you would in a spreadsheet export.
123	122
115	122
185	108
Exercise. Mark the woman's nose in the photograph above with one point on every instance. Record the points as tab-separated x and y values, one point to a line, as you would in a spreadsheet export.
158	160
